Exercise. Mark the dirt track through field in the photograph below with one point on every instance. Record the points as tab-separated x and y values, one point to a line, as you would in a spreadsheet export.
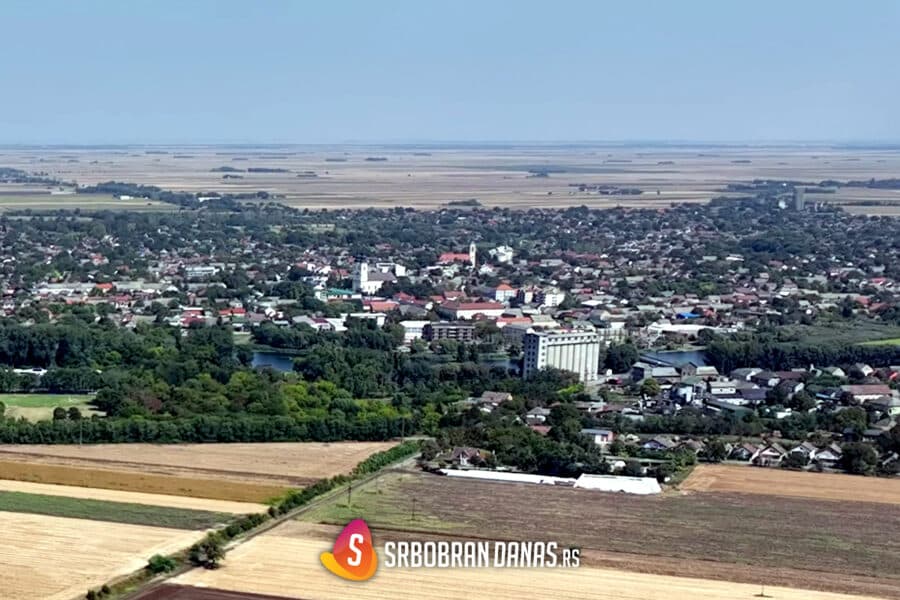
68	491
778	482
285	564
54	558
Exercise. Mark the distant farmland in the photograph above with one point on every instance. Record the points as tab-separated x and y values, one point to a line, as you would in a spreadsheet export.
501	176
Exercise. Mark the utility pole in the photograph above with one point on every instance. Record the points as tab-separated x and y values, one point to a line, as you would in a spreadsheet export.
350	495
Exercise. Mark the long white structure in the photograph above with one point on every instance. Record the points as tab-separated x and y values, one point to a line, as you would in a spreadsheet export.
509	477
571	350
599	483
616	483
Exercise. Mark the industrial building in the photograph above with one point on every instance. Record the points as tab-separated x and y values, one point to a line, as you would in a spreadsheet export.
571	350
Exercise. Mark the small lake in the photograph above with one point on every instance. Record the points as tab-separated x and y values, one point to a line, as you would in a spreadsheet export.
678	358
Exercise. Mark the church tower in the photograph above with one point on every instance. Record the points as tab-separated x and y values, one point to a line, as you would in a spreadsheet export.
472	253
361	277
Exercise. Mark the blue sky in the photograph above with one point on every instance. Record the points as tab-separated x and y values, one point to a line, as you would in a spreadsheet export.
193	71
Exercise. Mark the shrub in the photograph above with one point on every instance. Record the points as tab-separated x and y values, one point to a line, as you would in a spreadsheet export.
161	564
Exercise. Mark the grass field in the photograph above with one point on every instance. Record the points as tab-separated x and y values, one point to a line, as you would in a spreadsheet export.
844	332
86	202
110	512
889	342
184	502
284	562
775	482
39	407
832	545
55	558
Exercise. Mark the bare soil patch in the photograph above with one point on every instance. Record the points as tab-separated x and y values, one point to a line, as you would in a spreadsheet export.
779	482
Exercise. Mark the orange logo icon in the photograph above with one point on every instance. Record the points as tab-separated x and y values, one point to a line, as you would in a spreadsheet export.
353	555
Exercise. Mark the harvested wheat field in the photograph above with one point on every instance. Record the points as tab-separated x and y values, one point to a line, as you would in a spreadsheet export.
54	558
237	472
289	462
798	484
284	562
134	481
68	491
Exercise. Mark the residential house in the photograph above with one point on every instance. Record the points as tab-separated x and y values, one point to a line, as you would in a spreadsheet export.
770	455
659	443
601	437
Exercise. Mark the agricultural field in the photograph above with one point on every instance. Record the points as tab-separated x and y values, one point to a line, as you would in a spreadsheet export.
252	473
57	558
515	176
186	592
39	407
776	482
744	537
284	563
157	500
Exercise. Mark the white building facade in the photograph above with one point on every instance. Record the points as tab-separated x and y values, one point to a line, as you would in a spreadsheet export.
576	351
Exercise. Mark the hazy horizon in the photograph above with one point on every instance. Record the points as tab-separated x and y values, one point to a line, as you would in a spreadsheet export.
403	72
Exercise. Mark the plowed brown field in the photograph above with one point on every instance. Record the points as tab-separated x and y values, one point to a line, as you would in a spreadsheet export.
284	562
779	482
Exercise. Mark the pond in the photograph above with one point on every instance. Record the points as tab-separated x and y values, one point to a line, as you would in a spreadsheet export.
275	360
